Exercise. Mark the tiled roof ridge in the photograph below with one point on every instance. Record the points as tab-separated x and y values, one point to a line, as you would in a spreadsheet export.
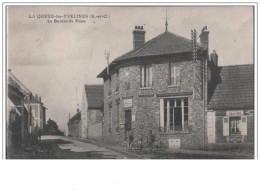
148	43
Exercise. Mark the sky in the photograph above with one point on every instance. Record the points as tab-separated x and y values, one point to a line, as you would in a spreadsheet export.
55	60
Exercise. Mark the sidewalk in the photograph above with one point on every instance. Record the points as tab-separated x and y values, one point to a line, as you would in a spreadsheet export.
170	154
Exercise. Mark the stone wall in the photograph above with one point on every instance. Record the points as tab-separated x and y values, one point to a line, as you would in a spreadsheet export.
146	103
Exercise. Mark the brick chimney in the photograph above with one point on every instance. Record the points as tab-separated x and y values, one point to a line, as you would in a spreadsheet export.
40	98
138	36
204	37
36	96
214	57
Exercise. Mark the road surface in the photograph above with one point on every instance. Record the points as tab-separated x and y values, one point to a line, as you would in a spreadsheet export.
60	147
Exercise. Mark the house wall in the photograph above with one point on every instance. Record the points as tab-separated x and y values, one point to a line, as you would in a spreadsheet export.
249	138
84	116
74	129
146	104
95	119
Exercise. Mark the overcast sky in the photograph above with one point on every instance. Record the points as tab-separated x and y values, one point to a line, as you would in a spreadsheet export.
55	60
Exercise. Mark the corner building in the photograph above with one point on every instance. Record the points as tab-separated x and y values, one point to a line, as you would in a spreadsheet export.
161	85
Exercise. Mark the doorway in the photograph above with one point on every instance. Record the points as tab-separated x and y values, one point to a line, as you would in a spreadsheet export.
128	120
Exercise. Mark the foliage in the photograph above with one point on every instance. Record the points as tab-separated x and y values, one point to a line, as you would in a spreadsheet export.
51	128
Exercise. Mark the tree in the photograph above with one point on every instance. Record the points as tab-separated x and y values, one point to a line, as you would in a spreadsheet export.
52	128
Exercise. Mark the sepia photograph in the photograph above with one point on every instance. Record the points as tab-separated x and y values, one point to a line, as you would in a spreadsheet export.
130	82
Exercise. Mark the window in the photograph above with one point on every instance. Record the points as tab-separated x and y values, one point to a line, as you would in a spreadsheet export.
110	118
174	74
175	114
146	76
234	123
117	117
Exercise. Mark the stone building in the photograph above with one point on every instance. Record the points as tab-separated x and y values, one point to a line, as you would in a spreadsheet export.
92	112
74	125
230	113
163	85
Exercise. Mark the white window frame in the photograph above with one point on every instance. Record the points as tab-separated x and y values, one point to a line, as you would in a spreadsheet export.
174	74
166	123
146	76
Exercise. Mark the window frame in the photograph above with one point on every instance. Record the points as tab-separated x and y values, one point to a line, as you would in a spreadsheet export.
174	74
146	76
168	112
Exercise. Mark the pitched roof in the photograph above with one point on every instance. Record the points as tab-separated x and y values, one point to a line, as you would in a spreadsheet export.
235	89
94	94
76	117
163	44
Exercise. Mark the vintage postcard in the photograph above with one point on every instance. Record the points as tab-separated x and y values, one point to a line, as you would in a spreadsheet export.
130	82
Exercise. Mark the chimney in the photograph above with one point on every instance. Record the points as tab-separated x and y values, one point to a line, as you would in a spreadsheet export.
204	37
40	98
214	57
36	96
138	36
77	110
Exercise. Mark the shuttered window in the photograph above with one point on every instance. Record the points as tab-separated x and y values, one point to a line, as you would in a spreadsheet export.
146	76
174	72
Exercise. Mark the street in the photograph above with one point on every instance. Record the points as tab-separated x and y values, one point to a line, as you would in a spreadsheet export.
59	147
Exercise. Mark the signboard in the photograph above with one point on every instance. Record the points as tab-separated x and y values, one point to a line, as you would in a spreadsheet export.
128	103
234	113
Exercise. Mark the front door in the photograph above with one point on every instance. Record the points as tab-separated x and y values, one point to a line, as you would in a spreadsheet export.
128	120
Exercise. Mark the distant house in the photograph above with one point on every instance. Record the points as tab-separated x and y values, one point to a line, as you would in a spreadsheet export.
92	112
38	112
24	111
74	125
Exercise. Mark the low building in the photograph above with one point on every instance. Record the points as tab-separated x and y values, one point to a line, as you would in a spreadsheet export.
92	112
74	125
230	114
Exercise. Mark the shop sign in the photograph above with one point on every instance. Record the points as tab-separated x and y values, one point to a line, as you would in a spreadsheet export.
234	113
128	103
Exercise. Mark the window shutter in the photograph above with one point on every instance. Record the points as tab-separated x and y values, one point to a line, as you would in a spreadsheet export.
161	113
169	74
225	126
150	75
243	125
177	75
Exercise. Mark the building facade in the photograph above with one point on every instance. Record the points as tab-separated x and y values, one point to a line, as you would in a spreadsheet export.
24	112
92	112
157	87
230	113
165	86
74	125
